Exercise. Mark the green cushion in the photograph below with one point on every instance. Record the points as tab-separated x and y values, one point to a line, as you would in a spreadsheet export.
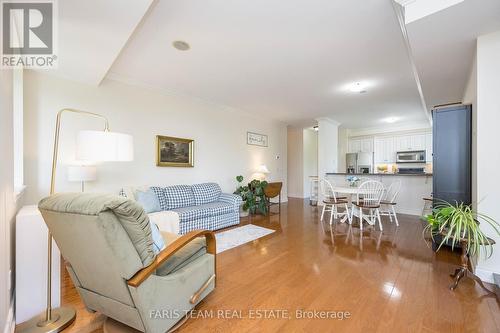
193	250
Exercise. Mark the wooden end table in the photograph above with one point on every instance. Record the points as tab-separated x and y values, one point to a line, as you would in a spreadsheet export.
463	270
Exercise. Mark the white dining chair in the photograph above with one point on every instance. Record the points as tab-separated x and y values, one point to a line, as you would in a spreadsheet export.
368	198
331	201
388	202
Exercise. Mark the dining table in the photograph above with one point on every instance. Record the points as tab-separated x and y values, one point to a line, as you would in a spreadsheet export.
351	191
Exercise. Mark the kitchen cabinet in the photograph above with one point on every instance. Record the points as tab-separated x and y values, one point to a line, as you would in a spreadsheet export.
385	147
354	145
367	145
418	142
384	150
361	145
410	142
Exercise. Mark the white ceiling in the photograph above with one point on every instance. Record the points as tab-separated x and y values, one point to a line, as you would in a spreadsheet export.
287	60
443	47
92	33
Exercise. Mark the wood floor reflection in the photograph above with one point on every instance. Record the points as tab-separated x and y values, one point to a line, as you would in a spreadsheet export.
388	281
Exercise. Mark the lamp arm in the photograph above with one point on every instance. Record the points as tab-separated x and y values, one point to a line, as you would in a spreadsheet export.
48	311
56	139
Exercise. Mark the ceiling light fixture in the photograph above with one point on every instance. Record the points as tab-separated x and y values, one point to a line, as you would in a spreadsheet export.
391	120
181	45
358	87
316	128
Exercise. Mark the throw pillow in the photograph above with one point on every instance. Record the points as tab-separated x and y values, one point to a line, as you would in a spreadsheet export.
148	201
158	241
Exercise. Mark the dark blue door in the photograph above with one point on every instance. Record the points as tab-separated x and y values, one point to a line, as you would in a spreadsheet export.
452	142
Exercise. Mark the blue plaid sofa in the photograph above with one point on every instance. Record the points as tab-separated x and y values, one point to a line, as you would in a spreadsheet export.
200	206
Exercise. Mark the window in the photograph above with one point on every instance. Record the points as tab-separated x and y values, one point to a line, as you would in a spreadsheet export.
17	104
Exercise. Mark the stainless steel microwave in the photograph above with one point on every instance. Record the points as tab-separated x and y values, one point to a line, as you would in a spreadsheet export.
417	156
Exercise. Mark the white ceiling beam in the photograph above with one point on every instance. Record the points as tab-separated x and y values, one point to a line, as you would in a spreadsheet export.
418	9
400	13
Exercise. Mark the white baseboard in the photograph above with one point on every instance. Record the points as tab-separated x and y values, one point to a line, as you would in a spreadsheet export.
409	211
296	196
485	275
10	323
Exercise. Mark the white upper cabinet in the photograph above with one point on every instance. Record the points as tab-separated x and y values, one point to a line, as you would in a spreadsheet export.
384	150
403	143
367	145
385	147
410	142
361	145
418	142
354	145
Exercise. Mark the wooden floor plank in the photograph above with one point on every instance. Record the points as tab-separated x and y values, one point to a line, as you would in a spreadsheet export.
389	282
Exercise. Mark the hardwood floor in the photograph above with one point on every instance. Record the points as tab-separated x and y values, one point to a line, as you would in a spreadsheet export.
389	282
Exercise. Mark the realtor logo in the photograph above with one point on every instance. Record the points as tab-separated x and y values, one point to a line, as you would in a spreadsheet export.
28	30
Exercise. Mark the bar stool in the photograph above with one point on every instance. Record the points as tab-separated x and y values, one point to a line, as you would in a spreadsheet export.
427	206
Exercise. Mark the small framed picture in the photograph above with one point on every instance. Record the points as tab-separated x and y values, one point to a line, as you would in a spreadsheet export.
174	152
256	139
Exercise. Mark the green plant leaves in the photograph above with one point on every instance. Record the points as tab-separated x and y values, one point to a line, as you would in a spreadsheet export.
253	196
457	223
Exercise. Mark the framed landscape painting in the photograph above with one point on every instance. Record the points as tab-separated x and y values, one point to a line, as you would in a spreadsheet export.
174	152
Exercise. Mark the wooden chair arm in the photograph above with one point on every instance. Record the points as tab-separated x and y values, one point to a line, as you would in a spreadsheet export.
169	251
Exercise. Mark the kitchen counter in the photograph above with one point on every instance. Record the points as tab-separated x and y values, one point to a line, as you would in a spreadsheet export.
379	174
414	187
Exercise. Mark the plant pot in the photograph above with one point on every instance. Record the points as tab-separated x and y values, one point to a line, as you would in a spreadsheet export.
243	213
437	241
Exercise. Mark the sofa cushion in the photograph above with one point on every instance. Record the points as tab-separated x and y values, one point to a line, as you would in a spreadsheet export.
191	251
202	211
206	193
176	196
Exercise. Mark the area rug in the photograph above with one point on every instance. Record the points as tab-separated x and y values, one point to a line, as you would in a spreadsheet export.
238	236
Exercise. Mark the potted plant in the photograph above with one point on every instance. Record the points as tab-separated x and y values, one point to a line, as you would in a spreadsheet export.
242	191
256	198
253	196
449	224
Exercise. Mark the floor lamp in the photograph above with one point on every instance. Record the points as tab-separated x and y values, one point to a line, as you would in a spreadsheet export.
95	146
82	174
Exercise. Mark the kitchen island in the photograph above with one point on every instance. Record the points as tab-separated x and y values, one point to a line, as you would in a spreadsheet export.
414	187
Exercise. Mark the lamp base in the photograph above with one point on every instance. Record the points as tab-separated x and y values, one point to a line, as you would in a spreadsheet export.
61	318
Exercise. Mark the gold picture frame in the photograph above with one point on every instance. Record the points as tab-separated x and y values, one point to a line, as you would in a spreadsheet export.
171	152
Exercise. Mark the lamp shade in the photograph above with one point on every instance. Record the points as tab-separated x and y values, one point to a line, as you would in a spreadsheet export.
82	173
263	169
104	146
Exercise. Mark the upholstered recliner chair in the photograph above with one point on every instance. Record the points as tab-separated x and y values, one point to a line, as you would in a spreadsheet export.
108	244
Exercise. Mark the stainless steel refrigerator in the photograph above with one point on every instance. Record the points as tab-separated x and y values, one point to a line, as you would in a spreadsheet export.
359	163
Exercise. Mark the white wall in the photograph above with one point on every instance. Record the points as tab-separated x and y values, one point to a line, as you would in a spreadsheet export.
470	97
221	152
488	156
310	148
8	205
295	162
